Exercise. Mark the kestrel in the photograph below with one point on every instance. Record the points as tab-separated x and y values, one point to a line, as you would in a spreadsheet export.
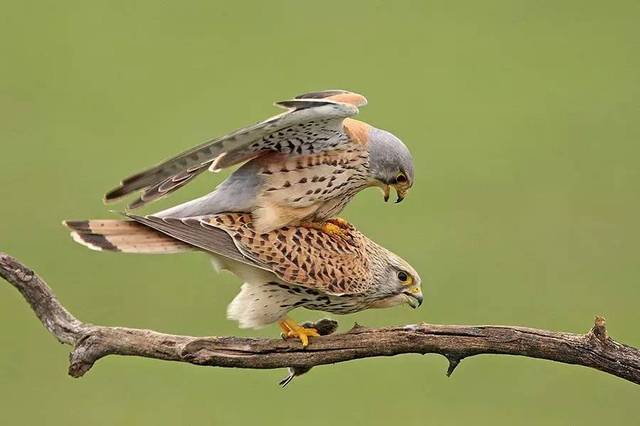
284	269
300	167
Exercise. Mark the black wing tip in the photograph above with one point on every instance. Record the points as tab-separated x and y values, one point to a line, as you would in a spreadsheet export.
322	94
119	193
129	185
77	225
115	194
299	104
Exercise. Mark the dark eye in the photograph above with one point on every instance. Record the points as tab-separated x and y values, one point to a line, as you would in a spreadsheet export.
402	276
402	178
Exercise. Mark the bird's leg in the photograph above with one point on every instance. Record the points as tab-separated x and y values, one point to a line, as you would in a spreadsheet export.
293	329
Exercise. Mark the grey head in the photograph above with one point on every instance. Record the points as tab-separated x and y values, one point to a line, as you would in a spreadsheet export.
390	163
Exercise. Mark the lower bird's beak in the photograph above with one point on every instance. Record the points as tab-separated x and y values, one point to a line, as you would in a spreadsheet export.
414	299
401	194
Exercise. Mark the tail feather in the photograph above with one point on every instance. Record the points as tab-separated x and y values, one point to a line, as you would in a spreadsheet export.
124	236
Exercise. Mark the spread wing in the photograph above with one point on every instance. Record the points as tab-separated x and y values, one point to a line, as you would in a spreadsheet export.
312	123
297	255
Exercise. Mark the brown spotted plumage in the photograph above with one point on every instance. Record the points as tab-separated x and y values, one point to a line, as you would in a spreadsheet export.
284	269
306	256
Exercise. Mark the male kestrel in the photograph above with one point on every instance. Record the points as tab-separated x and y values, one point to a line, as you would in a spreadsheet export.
284	269
301	167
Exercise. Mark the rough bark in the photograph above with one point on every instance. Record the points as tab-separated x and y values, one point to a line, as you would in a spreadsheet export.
90	343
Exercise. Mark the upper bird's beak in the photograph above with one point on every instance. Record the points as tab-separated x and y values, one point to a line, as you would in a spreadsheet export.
414	299
386	189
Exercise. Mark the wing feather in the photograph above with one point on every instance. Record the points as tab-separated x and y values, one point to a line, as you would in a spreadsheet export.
289	133
298	255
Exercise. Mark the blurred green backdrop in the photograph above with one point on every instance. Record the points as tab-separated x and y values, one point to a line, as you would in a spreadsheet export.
523	117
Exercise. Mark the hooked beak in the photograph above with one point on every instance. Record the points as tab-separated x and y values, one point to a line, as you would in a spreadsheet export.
414	299
400	192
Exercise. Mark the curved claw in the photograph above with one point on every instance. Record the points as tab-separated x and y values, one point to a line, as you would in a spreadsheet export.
293	329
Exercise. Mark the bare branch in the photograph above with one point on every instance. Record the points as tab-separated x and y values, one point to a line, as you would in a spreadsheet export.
91	342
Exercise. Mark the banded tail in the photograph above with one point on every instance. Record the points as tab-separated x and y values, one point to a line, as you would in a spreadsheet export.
124	236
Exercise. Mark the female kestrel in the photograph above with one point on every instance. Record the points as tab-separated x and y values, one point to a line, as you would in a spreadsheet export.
284	269
301	167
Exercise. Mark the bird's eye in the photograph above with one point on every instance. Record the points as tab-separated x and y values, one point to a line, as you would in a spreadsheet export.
401	178
403	276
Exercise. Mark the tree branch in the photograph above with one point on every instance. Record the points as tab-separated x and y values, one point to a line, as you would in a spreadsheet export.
92	342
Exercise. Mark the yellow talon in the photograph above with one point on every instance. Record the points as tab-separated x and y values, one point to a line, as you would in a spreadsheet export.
333	229
340	222
293	329
336	227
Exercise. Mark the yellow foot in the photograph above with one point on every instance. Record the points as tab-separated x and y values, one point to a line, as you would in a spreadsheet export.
332	229
341	223
293	329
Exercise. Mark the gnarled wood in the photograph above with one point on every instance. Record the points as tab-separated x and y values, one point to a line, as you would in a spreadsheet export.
92	342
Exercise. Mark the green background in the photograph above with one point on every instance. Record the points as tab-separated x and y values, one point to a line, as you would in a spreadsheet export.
523	118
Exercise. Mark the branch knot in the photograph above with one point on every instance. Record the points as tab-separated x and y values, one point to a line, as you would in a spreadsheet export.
599	331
